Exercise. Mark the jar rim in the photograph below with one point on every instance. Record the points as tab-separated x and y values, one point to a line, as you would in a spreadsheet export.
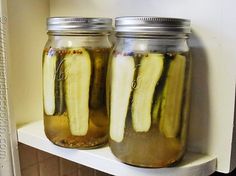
152	25
79	24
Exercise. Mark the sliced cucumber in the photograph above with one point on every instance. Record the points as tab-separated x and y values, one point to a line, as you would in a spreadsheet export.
77	82
122	75
172	97
150	71
49	72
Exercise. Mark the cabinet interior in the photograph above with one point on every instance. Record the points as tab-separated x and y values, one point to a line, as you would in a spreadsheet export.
213	80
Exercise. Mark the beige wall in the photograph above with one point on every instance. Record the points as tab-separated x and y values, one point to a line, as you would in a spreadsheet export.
27	37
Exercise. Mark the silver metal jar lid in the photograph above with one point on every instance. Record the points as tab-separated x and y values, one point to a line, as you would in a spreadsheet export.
152	25
79	24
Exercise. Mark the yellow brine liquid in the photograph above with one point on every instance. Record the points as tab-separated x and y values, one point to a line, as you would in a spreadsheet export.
148	106
74	81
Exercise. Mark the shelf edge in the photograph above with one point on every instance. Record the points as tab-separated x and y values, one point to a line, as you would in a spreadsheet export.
102	159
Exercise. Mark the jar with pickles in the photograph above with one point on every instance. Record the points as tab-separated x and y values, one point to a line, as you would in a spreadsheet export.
74	79
148	90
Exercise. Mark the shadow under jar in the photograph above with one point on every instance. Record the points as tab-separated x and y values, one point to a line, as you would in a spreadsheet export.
148	87
74	80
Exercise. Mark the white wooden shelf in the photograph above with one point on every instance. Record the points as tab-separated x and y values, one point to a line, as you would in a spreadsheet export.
102	159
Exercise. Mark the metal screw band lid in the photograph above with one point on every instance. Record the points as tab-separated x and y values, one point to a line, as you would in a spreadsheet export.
152	25
79	24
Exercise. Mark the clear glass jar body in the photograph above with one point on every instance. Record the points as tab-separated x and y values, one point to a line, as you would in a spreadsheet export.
148	87
74	81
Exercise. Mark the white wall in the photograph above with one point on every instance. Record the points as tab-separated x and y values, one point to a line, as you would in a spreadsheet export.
213	47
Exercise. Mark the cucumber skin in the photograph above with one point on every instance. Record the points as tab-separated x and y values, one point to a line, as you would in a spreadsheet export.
98	80
172	96
59	87
158	95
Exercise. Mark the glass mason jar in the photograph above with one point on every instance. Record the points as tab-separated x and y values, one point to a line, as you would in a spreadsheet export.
74	79
148	87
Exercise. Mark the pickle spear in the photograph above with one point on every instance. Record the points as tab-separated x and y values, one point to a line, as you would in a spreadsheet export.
49	71
150	71
77	81
186	102
98	82
122	75
172	97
